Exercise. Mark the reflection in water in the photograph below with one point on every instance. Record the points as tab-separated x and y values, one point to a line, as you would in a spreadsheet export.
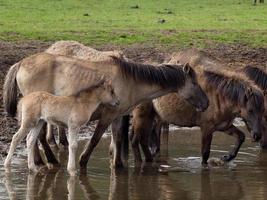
214	188
246	181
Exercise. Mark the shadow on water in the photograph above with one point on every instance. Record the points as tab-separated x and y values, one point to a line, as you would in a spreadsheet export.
246	180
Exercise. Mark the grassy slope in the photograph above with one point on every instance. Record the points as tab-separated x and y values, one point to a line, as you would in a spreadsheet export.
188	22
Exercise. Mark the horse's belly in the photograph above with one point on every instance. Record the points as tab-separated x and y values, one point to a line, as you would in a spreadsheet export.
174	110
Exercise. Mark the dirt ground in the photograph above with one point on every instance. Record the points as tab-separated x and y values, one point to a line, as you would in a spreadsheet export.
11	52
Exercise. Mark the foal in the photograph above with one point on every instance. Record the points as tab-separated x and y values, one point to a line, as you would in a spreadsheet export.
72	111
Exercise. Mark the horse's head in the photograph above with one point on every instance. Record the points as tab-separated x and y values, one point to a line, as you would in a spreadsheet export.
252	112
192	92
108	95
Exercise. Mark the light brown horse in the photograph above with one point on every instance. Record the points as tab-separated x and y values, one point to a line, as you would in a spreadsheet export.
230	95
133	83
70	111
76	50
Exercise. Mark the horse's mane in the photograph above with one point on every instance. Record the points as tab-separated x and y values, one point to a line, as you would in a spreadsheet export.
233	88
163	75
259	76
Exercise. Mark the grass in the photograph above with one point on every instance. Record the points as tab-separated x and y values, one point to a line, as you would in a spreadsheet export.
178	23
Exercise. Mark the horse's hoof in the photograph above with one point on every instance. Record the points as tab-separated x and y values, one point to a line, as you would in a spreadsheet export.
34	169
51	166
227	158
205	165
7	169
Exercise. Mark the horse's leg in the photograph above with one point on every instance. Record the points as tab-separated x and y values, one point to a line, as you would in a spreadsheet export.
50	137
144	142
16	139
51	159
205	144
37	156
31	141
99	131
240	138
125	137
164	140
135	139
63	141
73	139
120	140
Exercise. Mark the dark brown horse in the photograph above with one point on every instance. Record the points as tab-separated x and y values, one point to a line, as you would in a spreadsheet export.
197	57
259	76
230	95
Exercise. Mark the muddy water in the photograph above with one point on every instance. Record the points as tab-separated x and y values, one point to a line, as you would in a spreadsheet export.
246	178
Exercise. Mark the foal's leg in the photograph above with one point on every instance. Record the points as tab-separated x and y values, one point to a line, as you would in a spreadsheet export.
73	139
16	139
240	138
99	131
31	141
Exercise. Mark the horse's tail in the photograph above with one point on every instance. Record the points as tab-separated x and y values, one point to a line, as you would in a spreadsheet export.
125	139
10	90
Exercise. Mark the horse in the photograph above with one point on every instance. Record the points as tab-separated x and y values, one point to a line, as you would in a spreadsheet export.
80	51
258	75
71	111
230	95
133	83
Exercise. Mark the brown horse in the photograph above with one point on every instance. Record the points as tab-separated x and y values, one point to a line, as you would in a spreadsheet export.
133	83
258	75
230	95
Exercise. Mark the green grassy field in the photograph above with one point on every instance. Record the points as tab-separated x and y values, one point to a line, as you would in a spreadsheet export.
178	23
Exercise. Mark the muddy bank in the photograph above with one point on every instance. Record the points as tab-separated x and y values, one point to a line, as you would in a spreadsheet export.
12	52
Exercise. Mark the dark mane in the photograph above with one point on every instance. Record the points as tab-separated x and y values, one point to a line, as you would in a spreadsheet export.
259	76
163	75
233	89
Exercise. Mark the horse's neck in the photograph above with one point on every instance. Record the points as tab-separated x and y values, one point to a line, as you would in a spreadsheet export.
131	92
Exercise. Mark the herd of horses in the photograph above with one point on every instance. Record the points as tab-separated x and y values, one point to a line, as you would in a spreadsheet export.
70	84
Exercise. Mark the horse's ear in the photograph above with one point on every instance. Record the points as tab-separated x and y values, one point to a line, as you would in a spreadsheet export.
187	68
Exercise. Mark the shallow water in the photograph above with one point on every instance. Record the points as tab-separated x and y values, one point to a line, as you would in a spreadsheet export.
246	178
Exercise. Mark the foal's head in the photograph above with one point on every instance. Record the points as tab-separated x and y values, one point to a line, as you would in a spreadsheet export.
191	91
106	94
